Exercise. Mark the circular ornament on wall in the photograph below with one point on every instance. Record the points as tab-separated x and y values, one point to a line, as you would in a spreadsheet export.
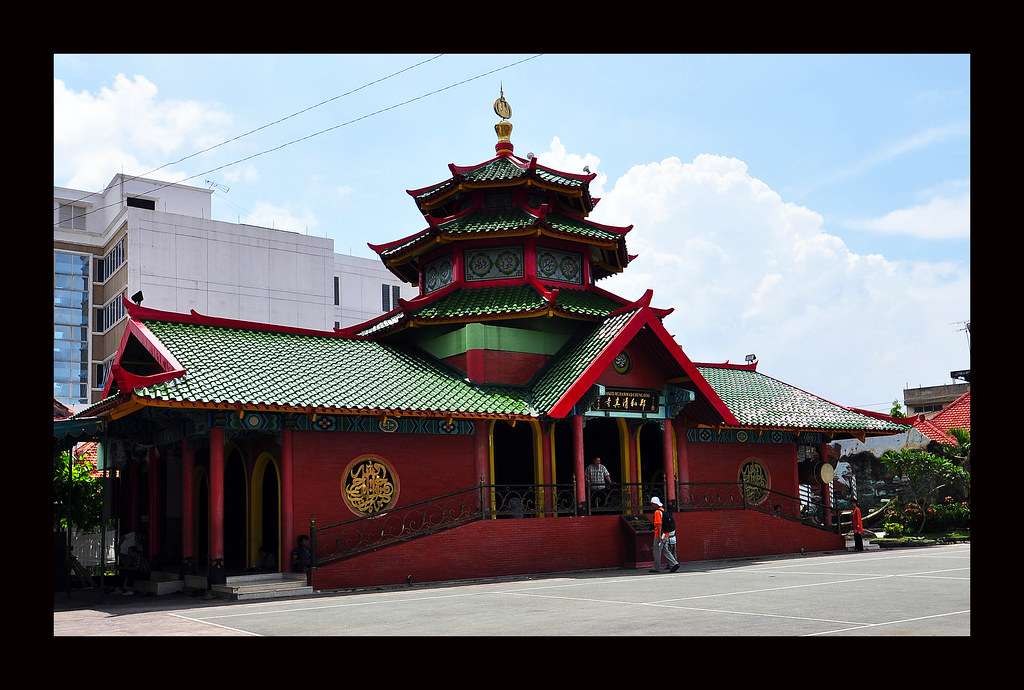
622	364
754	479
369	485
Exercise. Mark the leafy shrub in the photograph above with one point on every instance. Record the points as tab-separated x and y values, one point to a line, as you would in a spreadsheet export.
950	514
893	529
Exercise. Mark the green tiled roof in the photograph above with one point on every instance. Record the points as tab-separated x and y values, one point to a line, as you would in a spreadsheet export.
759	400
489	220
241	366
485	221
567	368
584	302
484	301
502	169
579	227
518	299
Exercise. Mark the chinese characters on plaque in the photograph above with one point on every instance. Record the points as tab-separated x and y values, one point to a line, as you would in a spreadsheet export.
627	401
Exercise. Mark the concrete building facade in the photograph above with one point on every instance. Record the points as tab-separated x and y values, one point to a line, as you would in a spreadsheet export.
154	240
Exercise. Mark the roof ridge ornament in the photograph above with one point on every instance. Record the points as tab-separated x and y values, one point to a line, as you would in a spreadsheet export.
504	128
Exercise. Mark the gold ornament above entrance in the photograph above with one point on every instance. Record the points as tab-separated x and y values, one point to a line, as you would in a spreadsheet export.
369	485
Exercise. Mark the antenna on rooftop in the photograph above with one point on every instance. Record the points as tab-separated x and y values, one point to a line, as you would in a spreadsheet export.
966	327
218	186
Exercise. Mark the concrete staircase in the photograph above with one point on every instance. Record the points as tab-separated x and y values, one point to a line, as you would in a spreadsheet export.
263	586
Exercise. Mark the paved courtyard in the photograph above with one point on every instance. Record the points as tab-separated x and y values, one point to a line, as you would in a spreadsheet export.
891	592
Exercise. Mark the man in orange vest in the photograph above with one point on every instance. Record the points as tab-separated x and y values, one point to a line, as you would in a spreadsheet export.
858	527
661	540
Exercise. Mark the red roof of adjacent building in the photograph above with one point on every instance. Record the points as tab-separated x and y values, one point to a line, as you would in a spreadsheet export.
957	415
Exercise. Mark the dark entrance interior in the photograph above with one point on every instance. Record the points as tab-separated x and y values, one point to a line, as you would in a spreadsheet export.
269	515
652	464
564	454
202	522
513	454
234	512
601	437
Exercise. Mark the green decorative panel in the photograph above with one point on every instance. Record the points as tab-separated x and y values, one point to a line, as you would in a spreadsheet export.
387	425
565	267
739	436
494	263
437	274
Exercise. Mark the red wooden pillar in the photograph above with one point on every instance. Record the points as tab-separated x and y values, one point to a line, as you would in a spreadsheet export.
481	454
133	482
188	468
577	449
288	535
216	494
547	471
154	505
683	449
666	455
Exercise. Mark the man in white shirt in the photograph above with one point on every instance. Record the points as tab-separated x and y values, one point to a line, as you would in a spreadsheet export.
598	478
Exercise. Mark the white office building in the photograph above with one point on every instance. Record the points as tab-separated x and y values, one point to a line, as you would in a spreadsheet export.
154	240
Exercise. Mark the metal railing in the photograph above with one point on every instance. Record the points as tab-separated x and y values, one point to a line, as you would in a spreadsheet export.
502	501
371	532
697	496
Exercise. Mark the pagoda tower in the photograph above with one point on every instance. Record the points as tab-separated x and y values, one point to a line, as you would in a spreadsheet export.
506	266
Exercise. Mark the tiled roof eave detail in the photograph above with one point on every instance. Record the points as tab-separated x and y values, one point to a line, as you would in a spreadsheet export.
760	402
141	399
504	169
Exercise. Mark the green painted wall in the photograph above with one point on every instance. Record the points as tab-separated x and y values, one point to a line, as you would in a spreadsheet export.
478	336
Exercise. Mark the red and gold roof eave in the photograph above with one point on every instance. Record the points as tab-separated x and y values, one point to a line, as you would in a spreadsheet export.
831	433
139	313
137	401
416	244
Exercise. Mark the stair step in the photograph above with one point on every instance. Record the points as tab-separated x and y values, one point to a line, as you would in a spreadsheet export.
263	586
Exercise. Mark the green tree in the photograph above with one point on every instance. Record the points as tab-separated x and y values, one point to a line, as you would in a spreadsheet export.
75	490
896	410
961	449
924	474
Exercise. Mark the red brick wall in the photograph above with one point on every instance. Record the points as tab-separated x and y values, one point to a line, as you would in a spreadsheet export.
495	548
427	466
720	462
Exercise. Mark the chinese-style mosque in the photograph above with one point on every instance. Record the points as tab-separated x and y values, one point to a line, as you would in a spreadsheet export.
448	438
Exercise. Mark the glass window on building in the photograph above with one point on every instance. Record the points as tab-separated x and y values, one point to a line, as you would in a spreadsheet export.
71	307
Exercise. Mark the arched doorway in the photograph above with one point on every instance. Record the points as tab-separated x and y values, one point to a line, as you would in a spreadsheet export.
235	511
513	467
603	436
564	459
266	508
650	456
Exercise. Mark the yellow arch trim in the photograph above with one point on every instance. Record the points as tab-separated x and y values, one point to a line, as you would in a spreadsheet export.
259	471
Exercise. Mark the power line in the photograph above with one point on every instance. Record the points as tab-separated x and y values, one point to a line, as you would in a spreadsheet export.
316	134
253	131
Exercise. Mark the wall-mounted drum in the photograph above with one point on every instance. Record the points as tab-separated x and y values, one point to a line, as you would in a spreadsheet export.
822	473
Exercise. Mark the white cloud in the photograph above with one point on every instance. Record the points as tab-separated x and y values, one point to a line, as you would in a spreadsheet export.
246	173
941	218
748	272
559	159
126	129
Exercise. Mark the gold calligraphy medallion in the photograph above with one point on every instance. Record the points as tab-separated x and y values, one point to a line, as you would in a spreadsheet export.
369	485
754	478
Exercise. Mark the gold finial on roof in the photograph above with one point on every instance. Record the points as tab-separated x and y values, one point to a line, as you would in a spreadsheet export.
504	128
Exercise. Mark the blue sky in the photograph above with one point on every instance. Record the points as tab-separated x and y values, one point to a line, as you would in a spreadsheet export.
811	209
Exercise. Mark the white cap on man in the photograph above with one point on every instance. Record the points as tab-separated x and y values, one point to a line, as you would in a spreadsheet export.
656	501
